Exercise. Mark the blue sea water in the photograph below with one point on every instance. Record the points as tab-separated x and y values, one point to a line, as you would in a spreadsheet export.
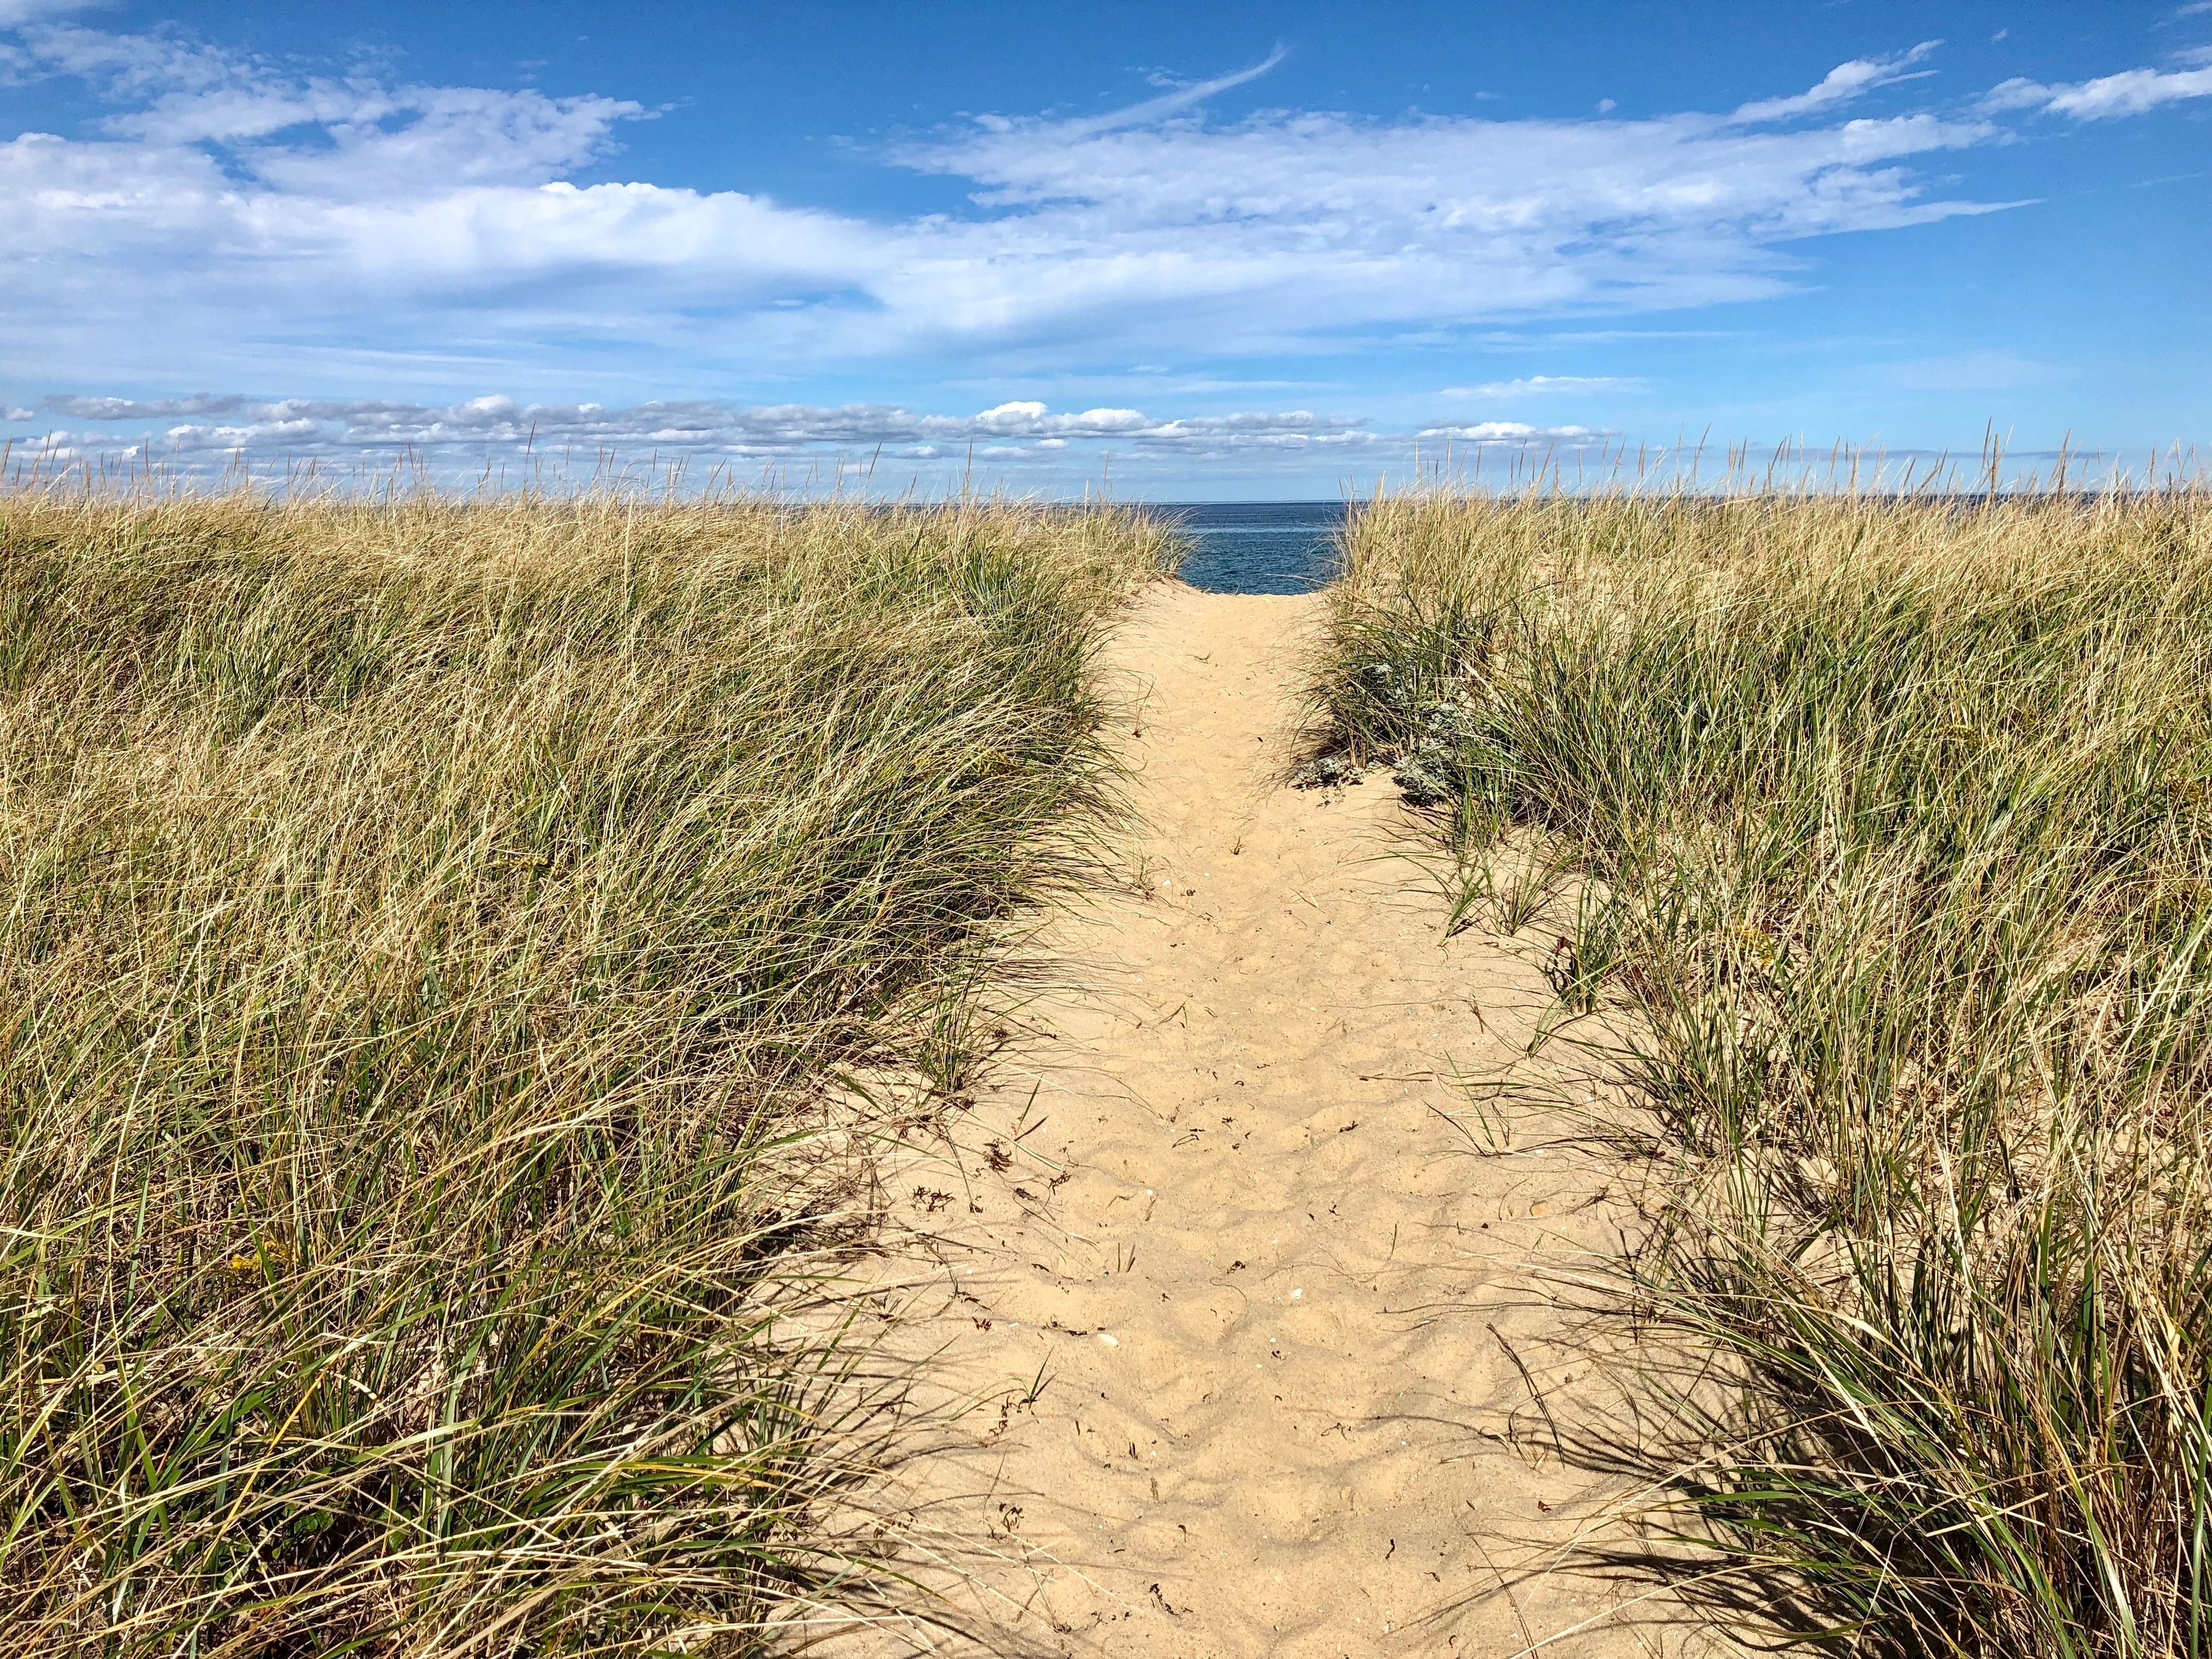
1258	547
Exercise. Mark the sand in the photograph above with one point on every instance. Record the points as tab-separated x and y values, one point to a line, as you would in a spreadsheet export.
1217	1260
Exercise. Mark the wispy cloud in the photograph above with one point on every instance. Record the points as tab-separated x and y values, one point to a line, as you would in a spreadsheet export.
1840	85
1293	229
2132	91
227	208
1169	103
1542	386
14	13
1514	433
1966	371
227	204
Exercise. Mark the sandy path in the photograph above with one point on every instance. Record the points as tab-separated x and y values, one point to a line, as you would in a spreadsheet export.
1241	1237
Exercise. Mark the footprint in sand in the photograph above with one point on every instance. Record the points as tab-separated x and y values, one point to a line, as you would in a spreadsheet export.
1263	1293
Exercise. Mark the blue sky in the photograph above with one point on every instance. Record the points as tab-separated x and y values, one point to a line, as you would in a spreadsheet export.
1214	250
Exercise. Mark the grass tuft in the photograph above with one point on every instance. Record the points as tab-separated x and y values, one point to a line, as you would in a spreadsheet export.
1892	822
425	931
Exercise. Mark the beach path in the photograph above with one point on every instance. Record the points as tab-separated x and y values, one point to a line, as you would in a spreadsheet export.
1246	1305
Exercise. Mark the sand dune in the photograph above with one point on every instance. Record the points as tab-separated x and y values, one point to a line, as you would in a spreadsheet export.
1278	1307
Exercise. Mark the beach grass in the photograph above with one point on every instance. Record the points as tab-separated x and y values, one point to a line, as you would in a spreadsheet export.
1878	828
430	934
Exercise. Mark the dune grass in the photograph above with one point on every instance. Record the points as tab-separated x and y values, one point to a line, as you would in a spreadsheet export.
425	931
1885	827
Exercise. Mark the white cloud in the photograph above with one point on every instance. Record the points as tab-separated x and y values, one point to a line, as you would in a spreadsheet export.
219	424
1535	386
14	13
1289	227
2132	92
19	414
578	443
1170	103
1966	371
229	206
229	209
1513	432
1840	85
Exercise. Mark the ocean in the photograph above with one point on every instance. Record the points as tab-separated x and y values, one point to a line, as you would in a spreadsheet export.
1258	547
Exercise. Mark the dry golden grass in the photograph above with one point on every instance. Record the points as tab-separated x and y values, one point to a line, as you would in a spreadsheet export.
422	928
1892	822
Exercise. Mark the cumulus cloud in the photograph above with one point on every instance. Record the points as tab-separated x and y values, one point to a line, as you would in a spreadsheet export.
2132	91
208	424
